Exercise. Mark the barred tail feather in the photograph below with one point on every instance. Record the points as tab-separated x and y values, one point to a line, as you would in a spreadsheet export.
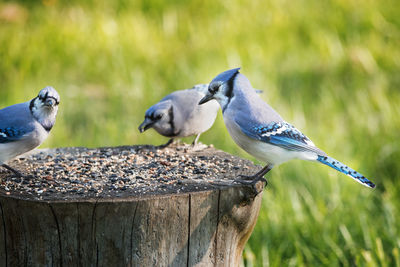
337	165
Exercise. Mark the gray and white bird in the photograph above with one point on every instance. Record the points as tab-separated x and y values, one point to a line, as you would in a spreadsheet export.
25	126
179	115
260	130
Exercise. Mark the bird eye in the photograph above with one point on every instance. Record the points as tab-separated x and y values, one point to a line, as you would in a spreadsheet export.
159	116
213	89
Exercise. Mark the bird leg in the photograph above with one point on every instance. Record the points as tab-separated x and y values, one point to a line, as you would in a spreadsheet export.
253	179
198	146
13	170
196	140
170	141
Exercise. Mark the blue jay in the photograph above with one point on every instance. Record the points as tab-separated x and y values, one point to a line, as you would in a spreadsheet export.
178	115
25	126
261	131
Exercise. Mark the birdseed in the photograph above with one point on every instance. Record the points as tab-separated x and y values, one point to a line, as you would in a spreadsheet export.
128	171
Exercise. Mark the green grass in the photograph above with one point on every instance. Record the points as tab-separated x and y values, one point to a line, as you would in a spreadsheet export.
332	68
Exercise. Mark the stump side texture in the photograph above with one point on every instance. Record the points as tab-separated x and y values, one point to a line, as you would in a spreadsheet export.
204	224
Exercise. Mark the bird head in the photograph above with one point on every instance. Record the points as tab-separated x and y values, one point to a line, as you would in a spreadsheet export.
221	88
44	107
48	99
160	117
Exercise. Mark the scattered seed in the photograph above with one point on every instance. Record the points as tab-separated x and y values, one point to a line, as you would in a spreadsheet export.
81	173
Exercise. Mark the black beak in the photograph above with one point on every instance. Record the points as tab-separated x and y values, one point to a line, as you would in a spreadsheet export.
145	125
206	98
50	102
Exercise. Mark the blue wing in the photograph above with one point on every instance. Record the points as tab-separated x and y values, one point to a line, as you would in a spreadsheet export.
15	122
12	134
281	134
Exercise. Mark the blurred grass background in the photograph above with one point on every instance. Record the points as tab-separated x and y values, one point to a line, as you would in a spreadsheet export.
329	67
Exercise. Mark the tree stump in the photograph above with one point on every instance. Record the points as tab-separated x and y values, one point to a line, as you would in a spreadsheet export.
127	206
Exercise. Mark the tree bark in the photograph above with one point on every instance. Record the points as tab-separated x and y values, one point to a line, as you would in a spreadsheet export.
198	228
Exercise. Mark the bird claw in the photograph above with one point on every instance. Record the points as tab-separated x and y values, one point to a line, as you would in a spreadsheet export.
246	178
250	180
170	141
28	177
14	171
253	182
198	147
23	176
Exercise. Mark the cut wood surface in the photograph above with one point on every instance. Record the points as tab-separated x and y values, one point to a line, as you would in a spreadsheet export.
127	206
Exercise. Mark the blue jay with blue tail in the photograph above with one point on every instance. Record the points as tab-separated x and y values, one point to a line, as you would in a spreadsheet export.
25	126
260	130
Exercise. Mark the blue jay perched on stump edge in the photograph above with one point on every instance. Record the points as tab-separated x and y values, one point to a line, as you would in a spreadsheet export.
260	130
25	126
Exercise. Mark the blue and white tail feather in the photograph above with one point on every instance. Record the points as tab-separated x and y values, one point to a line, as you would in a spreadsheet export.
337	165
